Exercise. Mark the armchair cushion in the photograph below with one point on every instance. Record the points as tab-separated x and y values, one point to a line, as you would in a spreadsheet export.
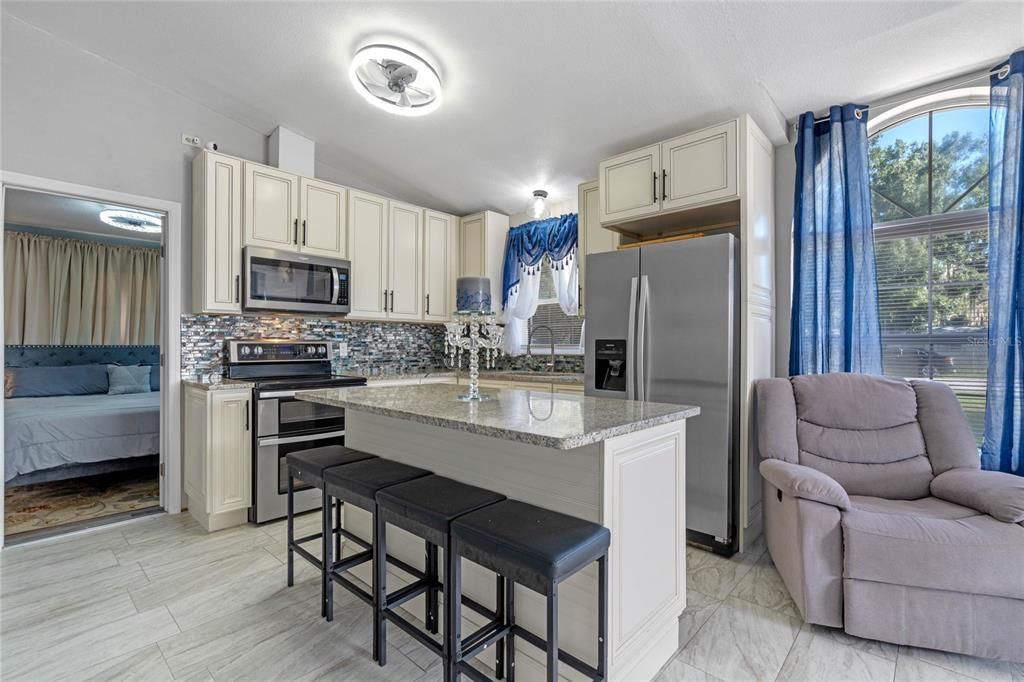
804	482
997	494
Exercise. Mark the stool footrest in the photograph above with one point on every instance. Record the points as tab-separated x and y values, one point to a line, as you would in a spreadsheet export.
469	671
349	535
413	631
305	554
352	561
479	608
483	638
404	594
307	538
563	656
353	588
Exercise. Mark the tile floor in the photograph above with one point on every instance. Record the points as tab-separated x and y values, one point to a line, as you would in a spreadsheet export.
159	599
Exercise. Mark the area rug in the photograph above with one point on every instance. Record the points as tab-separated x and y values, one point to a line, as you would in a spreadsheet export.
46	505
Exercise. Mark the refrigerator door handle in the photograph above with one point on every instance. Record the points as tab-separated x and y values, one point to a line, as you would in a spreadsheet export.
641	343
630	344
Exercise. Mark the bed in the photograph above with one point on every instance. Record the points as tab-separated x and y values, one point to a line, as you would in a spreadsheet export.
54	437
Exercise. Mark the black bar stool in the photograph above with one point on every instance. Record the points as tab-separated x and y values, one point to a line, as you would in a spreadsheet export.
536	548
358	484
426	507
308	466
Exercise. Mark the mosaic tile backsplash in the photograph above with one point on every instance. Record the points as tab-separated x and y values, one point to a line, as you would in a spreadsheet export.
373	347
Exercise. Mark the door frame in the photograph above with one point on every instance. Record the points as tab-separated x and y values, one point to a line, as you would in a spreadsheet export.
170	328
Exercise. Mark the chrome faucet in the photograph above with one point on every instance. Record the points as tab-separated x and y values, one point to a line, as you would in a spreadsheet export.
551	335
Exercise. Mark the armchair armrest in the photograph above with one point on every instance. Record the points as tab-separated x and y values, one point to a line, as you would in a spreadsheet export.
801	481
997	494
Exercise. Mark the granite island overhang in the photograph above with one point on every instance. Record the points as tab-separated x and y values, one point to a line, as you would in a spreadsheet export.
616	462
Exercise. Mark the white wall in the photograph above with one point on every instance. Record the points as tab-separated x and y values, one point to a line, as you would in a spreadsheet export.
69	115
556	208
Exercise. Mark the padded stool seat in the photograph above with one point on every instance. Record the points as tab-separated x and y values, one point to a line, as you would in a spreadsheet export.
359	482
309	465
531	545
426	506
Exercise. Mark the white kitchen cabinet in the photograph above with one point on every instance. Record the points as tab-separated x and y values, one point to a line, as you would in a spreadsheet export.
439	263
592	237
630	185
271	213
324	219
700	167
216	233
218	455
482	249
367	249
405	255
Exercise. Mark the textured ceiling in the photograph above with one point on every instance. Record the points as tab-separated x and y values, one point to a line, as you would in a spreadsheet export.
536	94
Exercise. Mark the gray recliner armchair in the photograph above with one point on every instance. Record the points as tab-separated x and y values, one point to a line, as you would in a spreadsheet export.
880	520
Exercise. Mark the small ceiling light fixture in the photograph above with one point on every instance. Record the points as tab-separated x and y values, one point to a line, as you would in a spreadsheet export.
395	80
132	220
538	205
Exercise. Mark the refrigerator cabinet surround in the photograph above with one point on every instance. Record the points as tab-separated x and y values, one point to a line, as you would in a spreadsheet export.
675	306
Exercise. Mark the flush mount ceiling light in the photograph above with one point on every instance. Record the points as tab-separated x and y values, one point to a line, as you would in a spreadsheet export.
132	220
538	205
395	80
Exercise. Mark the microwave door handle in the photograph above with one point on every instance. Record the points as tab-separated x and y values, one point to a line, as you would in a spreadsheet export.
335	286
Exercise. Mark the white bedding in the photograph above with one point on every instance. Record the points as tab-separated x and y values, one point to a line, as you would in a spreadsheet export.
41	433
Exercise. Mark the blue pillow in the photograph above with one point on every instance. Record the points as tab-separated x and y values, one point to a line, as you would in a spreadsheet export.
39	382
130	379
154	377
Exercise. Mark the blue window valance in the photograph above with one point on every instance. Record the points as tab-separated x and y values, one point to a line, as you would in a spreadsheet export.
527	244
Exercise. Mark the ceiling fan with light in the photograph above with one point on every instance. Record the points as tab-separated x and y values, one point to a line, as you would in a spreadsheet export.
396	80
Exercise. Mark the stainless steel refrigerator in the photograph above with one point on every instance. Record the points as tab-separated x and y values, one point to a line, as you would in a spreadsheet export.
661	324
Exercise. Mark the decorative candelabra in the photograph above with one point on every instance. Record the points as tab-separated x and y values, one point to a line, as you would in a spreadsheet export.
470	333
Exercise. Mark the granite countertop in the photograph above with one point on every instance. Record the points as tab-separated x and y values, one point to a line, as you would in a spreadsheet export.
521	376
224	384
555	421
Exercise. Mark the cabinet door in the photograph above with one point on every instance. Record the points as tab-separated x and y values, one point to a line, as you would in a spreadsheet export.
229	451
700	167
323	222
472	242
271	215
631	185
437	265
592	237
367	249
405	262
218	221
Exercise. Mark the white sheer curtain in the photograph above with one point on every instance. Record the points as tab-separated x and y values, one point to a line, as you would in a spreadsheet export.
524	298
69	291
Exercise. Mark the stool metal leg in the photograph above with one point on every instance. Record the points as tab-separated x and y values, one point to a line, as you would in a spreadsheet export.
553	633
510	639
380	595
326	582
499	612
430	617
452	615
602	617
291	528
337	526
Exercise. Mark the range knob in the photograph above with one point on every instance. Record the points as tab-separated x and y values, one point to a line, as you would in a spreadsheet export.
321	350
244	350
258	350
310	350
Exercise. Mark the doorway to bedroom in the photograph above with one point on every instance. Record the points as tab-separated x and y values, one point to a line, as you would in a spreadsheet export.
82	318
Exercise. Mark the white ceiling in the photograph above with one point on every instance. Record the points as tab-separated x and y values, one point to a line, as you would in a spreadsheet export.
68	214
536	94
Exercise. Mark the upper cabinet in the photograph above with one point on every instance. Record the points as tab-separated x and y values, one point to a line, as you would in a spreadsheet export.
216	233
691	170
592	237
405	255
367	248
271	215
482	249
440	257
323	211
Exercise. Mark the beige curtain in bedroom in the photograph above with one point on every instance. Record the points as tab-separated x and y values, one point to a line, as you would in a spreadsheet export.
69	291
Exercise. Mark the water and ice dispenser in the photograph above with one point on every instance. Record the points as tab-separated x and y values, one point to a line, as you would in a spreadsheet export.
610	364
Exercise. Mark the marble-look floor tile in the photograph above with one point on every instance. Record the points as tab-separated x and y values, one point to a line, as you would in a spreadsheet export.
41	599
27	575
678	671
742	641
912	669
869	646
193	546
145	665
817	656
41	552
762	585
81	651
46	628
699	608
714	575
159	526
969	666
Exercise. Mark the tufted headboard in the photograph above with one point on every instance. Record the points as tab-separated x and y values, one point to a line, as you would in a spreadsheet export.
59	356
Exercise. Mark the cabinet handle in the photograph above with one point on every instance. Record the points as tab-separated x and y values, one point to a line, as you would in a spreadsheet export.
392	300
238	288
246	415
385	300
654	187
296	230
664	185
303	232
428	304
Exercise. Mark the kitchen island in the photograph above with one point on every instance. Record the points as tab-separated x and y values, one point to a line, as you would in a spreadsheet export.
616	462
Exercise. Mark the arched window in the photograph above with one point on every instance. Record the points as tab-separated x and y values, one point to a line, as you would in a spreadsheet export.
929	186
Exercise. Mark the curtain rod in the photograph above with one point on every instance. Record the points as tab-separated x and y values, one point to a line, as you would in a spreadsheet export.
1001	72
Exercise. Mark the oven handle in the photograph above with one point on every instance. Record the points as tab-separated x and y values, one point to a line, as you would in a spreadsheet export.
277	394
299	439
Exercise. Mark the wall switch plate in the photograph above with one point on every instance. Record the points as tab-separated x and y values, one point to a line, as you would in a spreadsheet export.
342	349
191	140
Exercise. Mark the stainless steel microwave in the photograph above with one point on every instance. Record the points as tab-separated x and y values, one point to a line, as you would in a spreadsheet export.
295	282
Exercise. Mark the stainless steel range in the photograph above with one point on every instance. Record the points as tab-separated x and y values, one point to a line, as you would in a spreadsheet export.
279	368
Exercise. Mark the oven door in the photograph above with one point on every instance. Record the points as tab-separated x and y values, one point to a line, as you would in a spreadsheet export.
272	474
278	280
280	414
